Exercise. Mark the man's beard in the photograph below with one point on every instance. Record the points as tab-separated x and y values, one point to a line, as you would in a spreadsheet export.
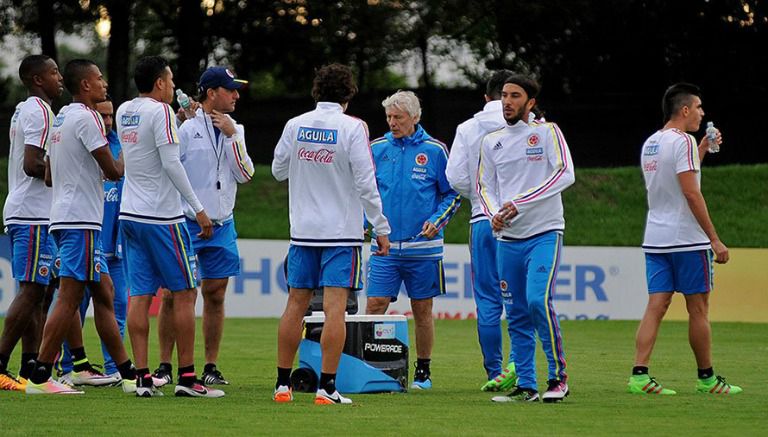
513	121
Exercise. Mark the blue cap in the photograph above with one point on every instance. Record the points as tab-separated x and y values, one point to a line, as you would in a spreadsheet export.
215	77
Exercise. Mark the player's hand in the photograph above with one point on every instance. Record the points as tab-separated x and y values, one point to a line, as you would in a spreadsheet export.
721	252
206	225
186	114
382	241
429	230
223	122
507	212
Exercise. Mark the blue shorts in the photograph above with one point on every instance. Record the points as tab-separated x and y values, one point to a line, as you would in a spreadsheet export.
423	278
331	266
32	253
217	257
687	272
79	254
158	256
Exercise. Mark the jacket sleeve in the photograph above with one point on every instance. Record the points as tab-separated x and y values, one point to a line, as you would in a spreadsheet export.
239	162
451	200
561	177
364	174
282	160
458	168
487	185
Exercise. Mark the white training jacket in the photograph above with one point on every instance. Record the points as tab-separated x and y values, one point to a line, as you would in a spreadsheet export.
326	157
529	165
214	166
465	153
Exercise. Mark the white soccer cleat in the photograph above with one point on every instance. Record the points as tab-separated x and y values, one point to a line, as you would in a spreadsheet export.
198	390
323	398
92	378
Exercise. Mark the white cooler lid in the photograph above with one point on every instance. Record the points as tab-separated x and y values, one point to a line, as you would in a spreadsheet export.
320	318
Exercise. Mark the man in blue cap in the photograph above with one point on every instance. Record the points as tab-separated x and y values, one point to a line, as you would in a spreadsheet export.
214	156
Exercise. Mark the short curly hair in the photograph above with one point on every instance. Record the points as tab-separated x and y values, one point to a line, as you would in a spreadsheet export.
334	83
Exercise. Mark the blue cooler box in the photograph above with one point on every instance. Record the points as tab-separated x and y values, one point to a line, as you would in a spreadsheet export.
374	359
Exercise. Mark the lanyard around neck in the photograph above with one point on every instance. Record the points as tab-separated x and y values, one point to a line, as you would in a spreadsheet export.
217	151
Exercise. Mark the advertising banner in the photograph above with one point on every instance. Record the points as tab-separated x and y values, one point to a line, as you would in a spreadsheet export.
592	283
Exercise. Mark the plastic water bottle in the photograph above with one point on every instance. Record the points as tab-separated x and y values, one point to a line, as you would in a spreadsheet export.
712	137
183	99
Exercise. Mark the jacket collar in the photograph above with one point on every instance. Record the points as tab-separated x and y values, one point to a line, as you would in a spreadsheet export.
417	137
330	106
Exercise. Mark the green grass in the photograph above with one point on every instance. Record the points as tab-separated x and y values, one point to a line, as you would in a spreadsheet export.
605	207
600	355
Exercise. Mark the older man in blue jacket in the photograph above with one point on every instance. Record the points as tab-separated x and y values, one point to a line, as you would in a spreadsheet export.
419	202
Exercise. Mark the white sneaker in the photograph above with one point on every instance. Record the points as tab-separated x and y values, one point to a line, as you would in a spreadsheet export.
66	379
323	398
556	391
92	378
198	391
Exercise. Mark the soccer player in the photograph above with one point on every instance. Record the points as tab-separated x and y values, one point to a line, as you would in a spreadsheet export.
215	158
489	299
679	241
112	251
26	211
523	169
79	155
157	244
419	202
325	156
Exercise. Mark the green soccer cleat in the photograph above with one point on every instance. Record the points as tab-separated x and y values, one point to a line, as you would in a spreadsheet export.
491	385
717	386
504	382
643	384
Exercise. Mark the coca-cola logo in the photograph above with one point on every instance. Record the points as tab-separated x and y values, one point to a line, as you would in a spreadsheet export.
322	156
130	137
111	195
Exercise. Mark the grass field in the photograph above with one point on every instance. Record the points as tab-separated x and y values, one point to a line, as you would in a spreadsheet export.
599	354
605	207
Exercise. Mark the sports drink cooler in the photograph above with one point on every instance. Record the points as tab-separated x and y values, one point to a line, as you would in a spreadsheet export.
374	359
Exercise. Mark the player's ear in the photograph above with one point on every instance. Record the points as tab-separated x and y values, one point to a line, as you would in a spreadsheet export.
530	105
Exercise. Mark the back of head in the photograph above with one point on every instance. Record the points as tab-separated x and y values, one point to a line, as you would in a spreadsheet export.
148	70
677	96
74	72
496	83
334	83
31	66
528	84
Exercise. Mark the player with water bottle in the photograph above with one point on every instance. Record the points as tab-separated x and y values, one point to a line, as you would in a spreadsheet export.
680	242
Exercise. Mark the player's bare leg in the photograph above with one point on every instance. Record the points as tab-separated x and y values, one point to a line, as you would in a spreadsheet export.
290	327
377	305
658	304
24	307
334	328
425	327
213	291
138	328
425	339
166	336
647	331
184	325
699	330
104	318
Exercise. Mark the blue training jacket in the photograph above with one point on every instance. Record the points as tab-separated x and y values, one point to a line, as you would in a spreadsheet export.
110	235
410	172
